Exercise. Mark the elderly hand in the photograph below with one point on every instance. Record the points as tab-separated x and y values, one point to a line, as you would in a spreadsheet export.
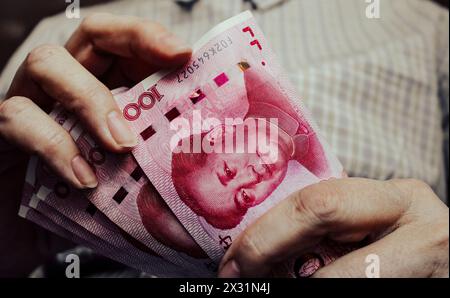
406	223
105	52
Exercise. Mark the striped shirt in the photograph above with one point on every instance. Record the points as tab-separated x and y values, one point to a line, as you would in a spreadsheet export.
377	87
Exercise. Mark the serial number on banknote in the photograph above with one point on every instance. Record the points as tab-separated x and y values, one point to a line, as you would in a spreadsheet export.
203	58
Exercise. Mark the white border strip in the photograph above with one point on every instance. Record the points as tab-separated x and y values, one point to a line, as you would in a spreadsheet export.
34	201
23	210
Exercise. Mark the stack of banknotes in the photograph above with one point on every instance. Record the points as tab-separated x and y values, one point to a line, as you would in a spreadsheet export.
221	141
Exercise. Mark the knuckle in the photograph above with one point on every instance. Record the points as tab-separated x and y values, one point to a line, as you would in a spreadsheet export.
77	107
91	21
418	184
320	201
84	106
13	107
40	56
143	29
95	90
249	250
413	192
436	247
53	143
441	234
411	184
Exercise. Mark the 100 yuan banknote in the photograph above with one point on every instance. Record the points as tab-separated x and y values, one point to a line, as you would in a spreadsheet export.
226	137
100	248
128	199
66	206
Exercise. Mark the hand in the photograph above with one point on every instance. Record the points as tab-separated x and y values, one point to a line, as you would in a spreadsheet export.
105	52
407	224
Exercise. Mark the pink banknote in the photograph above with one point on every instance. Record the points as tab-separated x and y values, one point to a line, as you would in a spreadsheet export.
55	199
77	235
44	222
126	197
226	137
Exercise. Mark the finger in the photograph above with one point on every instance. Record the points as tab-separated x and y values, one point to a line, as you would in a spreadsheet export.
67	81
399	254
340	209
126	72
24	124
101	35
23	85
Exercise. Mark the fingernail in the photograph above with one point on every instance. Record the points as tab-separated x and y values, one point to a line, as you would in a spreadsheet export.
120	130
83	172
230	270
173	41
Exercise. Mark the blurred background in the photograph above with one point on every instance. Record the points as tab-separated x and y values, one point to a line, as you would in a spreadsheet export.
18	18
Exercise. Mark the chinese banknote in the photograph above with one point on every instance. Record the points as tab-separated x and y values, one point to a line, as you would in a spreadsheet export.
221	141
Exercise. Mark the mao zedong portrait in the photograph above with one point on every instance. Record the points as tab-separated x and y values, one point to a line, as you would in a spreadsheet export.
221	187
